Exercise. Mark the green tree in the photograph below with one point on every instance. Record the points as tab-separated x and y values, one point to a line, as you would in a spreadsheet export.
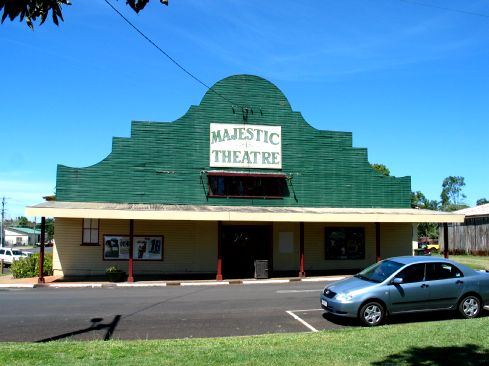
49	229
425	229
381	168
31	10
451	194
22	221
419	200
428	229
481	201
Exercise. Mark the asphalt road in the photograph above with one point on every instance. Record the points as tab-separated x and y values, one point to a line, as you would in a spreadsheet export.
46	314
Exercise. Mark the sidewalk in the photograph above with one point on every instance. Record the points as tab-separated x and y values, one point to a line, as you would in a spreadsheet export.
7	281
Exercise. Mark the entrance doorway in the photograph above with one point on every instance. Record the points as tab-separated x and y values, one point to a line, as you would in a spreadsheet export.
241	246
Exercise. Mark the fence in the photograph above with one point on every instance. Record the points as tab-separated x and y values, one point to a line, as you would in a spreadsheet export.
471	237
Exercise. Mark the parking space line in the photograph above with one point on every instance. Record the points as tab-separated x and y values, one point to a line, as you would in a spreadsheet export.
305	311
302	321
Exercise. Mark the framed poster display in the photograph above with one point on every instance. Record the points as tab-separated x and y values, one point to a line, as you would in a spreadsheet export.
148	248
116	247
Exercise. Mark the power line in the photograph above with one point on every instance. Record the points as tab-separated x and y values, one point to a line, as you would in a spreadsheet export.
167	55
445	8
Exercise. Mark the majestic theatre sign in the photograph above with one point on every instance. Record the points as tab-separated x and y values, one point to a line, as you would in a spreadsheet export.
245	146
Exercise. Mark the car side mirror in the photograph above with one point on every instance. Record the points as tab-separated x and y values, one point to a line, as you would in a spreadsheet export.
397	281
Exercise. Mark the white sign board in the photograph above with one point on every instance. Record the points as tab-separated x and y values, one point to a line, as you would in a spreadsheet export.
245	146
286	242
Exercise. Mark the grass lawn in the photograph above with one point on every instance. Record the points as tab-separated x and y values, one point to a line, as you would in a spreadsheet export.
472	261
449	342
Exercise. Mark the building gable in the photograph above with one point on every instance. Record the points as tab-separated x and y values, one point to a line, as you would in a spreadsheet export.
169	163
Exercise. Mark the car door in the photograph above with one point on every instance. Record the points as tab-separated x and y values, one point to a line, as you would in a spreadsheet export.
413	293
446	284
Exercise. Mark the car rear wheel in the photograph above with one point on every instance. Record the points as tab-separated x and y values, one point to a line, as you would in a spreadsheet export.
469	307
372	314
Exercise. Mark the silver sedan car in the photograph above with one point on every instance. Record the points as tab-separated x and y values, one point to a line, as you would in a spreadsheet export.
408	284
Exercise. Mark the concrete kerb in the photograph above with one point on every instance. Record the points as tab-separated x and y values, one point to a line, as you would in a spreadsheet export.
13	284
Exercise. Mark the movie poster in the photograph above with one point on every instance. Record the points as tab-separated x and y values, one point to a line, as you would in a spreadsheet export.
116	247
148	248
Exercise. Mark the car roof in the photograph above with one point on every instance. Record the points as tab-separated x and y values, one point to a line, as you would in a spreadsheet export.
418	259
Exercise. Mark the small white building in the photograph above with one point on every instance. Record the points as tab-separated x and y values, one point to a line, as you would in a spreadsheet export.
21	236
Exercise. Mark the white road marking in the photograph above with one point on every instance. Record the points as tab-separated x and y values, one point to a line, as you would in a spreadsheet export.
18	285
258	282
305	311
75	285
303	322
323	279
156	284
212	283
296	291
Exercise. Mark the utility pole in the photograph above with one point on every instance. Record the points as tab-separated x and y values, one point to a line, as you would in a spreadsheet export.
2	233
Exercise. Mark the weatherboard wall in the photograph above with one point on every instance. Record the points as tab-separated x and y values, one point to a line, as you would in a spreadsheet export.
166	163
190	247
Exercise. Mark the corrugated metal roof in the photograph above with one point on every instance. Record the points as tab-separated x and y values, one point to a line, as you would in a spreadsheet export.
24	230
480	210
234	213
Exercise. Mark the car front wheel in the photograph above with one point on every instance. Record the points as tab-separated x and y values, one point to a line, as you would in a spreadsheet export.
372	314
469	307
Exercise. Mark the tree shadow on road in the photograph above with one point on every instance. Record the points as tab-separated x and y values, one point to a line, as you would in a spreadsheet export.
467	355
96	325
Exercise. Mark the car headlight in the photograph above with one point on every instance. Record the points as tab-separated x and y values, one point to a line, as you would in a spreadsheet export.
344	297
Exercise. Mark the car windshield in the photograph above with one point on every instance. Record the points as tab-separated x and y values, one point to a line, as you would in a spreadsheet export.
380	271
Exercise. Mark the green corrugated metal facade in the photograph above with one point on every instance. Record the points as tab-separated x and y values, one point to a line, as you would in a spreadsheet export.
165	163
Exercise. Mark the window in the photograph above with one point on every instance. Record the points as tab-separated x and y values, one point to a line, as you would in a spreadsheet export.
247	185
441	271
414	273
344	243
90	231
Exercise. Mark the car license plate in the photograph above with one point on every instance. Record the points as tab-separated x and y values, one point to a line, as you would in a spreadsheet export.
324	303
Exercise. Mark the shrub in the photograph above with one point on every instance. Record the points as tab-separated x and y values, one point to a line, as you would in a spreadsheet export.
113	269
29	266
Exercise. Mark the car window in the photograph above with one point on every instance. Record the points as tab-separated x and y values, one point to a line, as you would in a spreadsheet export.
2	251
414	273
16	252
441	271
379	272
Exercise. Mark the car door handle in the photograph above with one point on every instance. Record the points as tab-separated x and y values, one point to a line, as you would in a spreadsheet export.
459	282
424	285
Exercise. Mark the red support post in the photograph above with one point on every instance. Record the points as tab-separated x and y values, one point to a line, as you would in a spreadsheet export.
302	272
130	275
445	240
377	242
219	251
41	251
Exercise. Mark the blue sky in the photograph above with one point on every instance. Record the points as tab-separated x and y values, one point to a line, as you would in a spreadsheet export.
410	82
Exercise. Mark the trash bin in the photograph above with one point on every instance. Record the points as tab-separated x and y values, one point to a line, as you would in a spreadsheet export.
261	268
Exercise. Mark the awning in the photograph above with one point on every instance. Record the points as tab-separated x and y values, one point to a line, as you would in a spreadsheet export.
128	211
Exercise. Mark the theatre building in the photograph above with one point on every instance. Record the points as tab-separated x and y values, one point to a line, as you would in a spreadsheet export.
239	178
